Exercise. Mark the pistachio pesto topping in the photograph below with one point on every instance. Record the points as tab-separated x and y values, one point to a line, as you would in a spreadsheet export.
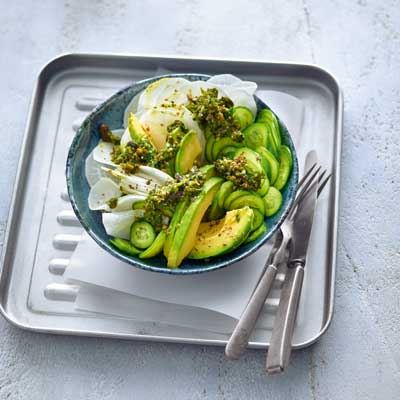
132	155
107	136
176	132
214	114
163	200
236	172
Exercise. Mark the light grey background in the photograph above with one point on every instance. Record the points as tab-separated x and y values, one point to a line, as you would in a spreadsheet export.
359	357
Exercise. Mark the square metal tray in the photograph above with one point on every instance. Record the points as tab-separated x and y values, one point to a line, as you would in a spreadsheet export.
32	293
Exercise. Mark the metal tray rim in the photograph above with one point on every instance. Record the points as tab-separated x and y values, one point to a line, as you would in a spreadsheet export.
12	215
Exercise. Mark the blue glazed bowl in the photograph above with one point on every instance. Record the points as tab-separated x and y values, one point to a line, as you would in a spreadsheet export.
111	113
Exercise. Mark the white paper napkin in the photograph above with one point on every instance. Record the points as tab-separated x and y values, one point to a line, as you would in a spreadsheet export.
212	301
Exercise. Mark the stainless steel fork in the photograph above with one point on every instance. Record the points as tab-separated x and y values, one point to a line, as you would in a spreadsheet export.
240	336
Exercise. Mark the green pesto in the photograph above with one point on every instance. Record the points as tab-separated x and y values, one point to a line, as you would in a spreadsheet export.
176	132
112	203
133	154
163	200
107	136
214	114
235	171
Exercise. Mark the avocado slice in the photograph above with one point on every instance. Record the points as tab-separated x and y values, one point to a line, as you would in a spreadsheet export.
156	247
189	150
135	128
219	237
178	214
185	234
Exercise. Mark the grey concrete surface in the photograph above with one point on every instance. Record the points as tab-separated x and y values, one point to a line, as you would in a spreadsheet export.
359	41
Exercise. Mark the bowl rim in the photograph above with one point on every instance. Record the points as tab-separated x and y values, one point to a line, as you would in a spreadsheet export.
136	262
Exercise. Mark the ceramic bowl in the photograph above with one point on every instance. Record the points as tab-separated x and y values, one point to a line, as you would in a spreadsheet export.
111	113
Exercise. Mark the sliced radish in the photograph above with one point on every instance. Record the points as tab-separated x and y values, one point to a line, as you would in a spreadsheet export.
103	191
118	224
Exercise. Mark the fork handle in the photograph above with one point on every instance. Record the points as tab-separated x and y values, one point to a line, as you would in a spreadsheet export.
240	336
281	340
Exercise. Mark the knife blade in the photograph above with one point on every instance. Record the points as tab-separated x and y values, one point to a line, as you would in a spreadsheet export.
281	340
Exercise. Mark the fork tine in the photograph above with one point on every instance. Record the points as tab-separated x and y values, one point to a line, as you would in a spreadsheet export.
302	180
306	186
321	176
322	185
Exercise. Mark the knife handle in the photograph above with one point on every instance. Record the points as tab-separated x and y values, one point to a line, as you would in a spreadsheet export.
281	340
240	337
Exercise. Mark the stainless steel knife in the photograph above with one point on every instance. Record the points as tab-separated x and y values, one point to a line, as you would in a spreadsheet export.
240	336
281	340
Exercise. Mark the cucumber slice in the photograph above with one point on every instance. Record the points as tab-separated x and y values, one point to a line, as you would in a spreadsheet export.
264	187
267	117
209	146
256	233
171	167
253	160
215	211
228	151
189	150
156	247
142	234
224	191
273	164
125	246
221	143
285	167
233	196
250	200
178	214
139	205
273	201
243	116
209	171
272	145
258	219
256	135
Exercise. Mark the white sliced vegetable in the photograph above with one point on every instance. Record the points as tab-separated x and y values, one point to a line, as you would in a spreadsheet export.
134	184
125	203
242	98
118	224
228	80
102	153
155	122
132	107
126	137
153	173
102	192
93	171
160	92
191	124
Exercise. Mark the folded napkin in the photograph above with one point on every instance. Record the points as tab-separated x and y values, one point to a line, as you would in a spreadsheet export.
212	301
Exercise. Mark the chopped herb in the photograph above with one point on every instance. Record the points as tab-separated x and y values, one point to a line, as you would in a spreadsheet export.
112	203
106	134
214	114
134	154
236	172
176	132
163	200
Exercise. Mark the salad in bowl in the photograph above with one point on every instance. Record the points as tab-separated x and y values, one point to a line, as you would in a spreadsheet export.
182	173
